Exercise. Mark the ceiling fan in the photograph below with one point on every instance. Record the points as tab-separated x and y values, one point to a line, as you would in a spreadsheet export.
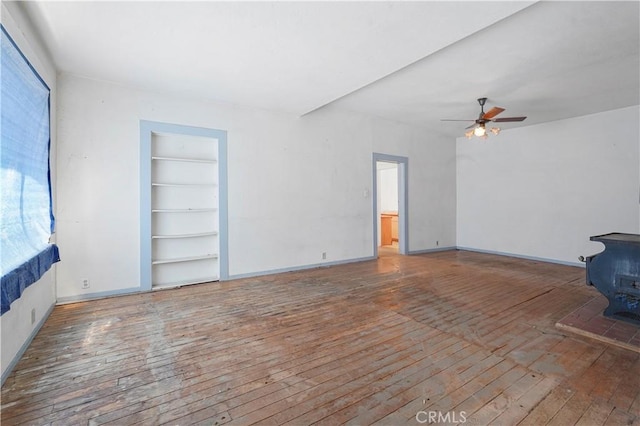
478	128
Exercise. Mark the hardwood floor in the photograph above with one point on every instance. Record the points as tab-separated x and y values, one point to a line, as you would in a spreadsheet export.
448	337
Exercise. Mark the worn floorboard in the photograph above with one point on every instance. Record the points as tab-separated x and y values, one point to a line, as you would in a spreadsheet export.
441	338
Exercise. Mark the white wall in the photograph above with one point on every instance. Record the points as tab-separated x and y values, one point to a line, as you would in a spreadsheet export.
432	181
541	191
296	185
16	327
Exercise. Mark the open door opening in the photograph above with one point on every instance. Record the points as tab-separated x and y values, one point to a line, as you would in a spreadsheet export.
390	204
387	192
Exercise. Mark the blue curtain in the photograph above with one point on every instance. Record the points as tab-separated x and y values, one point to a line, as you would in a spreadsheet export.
26	218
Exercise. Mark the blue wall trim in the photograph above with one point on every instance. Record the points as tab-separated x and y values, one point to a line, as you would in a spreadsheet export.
147	129
98	295
521	256
132	290
300	268
432	250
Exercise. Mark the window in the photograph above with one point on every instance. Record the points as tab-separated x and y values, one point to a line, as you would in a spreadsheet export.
26	218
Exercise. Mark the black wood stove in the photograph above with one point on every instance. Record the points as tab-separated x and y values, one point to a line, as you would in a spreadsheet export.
615	272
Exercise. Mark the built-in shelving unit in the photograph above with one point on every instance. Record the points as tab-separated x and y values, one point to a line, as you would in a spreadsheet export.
184	206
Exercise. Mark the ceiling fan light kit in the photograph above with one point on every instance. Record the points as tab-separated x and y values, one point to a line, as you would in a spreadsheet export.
478	128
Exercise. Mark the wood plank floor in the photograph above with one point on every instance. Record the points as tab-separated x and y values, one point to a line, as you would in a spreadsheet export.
448	337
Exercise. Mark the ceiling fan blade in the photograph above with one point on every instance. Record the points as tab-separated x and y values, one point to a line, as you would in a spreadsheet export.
506	119
453	119
492	113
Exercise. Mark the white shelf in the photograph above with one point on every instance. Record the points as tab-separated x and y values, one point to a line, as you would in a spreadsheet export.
185	185
184	259
212	209
199	234
187	160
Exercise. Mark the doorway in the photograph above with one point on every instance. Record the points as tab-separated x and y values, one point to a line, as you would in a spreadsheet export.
390	203
387	206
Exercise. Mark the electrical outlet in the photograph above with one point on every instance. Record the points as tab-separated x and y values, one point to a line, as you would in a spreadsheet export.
324	255
437	243
85	283
33	316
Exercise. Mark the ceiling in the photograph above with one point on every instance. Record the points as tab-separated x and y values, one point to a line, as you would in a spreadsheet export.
414	62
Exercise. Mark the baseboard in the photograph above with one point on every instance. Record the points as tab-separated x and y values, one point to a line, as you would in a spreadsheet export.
25	345
98	295
299	268
132	290
432	250
521	256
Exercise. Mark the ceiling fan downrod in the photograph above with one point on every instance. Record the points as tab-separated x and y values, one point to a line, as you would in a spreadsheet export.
482	101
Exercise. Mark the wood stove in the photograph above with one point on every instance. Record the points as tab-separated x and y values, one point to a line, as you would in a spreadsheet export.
615	272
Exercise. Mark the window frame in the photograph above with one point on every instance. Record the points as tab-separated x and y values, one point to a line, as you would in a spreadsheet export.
15	281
